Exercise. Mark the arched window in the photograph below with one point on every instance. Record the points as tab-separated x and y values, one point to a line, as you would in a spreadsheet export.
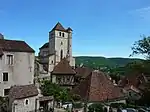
61	54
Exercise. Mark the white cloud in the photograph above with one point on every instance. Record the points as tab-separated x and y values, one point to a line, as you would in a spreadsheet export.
142	13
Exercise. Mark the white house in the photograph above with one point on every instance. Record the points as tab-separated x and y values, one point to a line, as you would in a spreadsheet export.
16	64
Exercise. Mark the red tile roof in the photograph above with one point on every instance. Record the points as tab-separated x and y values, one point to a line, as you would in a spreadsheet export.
63	67
15	46
97	87
24	91
83	72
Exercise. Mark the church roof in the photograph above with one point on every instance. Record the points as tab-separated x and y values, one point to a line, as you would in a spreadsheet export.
59	27
97	87
46	45
63	67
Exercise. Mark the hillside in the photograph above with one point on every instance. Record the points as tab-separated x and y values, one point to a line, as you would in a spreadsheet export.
97	62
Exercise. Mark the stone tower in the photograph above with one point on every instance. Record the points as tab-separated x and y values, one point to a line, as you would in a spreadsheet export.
60	46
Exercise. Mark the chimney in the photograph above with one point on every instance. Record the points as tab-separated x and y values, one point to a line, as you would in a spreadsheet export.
1	36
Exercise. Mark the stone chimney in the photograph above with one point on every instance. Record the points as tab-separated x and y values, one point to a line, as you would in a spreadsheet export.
1	36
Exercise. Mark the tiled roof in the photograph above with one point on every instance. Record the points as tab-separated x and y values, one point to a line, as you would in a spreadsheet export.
1	52
97	87
135	79
24	91
15	46
63	67
46	45
59	27
83	72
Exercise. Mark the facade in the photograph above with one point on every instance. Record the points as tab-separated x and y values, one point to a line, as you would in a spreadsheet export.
16	64
58	47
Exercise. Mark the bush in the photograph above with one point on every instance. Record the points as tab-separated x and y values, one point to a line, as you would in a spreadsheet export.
77	105
117	105
97	107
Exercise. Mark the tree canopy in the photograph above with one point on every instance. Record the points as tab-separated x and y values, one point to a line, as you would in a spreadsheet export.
142	47
60	94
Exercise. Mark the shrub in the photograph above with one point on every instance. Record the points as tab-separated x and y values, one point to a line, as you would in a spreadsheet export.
97	107
77	105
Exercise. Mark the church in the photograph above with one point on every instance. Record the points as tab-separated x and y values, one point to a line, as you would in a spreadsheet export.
56	58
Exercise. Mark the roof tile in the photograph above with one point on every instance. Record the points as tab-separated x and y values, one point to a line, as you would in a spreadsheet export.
97	87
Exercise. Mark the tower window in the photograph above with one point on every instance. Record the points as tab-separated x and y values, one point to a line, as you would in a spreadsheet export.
60	34
61	43
63	34
61	54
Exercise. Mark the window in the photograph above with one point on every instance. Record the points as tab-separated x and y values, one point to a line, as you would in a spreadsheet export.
60	34
6	92
26	102
52	62
63	34
61	43
61	54
9	59
5	76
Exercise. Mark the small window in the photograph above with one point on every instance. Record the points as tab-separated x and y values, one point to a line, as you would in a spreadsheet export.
6	92
52	62
5	76
63	35
10	59
60	34
61	43
26	102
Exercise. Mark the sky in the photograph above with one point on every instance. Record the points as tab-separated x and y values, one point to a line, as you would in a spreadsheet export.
100	27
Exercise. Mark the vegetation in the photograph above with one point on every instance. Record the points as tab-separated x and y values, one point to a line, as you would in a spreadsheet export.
60	94
96	107
102	62
3	104
142	47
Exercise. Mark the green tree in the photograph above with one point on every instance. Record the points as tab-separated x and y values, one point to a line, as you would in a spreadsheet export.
142	47
51	89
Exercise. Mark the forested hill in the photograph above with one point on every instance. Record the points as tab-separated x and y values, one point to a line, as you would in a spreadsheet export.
96	62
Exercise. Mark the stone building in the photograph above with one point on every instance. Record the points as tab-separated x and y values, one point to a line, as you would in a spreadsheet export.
58	48
23	98
16	64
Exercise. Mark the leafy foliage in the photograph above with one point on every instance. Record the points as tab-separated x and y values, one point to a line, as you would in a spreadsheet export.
4	104
96	107
60	94
142	47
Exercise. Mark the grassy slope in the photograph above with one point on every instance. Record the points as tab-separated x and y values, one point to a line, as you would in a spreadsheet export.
102	61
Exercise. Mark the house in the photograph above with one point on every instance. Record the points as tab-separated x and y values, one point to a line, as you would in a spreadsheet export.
63	74
16	64
98	88
23	98
132	93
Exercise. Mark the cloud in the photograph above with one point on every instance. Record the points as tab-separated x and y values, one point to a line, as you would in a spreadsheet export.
142	13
